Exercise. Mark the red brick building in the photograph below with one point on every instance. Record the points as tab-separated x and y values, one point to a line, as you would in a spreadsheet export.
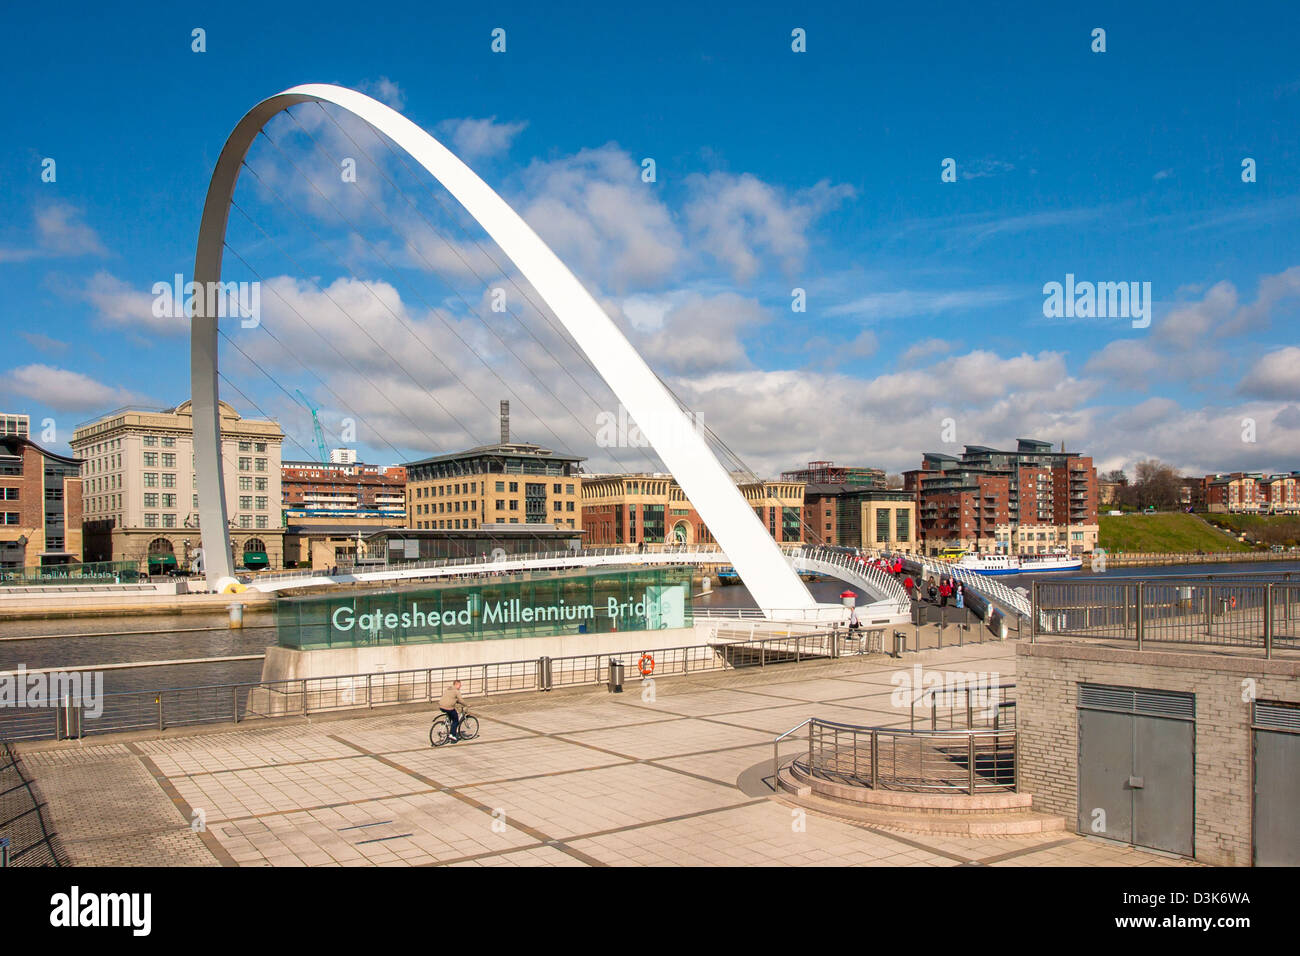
40	506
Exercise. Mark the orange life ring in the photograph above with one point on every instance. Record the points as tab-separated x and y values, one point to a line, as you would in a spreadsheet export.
641	665
1232	601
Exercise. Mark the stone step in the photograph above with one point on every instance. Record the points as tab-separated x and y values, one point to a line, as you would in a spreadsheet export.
972	823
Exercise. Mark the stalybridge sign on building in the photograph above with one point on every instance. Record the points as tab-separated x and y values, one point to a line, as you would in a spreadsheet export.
645	599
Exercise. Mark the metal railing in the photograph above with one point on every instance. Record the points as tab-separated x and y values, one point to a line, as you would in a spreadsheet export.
1239	613
166	708
880	758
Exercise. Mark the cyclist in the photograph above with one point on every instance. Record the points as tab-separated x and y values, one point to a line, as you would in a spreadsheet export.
447	704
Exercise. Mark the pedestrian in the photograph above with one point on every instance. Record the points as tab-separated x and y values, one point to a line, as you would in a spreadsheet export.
932	590
961	595
908	584
944	590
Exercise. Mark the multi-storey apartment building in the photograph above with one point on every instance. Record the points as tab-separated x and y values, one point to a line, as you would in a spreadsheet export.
1031	500
141	490
40	504
343	491
829	473
1239	492
1282	493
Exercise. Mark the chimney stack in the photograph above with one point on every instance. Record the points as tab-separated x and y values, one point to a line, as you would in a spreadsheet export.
505	422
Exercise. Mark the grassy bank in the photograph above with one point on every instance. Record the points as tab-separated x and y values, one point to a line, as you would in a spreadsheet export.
1164	534
1266	529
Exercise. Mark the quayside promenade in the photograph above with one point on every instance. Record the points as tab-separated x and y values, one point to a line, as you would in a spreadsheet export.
577	777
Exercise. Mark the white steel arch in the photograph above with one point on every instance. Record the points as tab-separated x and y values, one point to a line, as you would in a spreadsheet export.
702	477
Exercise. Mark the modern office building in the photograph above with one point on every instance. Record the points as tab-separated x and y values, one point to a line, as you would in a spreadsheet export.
40	504
19	425
1042	500
141	490
653	509
508	483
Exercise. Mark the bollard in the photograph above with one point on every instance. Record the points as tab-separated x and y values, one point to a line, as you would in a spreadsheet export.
236	616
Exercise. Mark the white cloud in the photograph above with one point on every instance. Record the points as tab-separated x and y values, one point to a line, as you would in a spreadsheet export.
741	220
60	232
902	303
64	390
472	139
1274	375
607	225
119	304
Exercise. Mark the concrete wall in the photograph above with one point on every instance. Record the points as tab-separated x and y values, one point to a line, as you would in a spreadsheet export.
1047	691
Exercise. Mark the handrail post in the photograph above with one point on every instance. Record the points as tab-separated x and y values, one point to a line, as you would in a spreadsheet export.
1033	631
970	761
1268	621
1137	605
304	697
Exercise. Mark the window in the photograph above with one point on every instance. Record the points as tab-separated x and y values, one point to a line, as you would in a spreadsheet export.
150	520
151	459
514	506
8	494
245	502
245	446
568	506
261	484
245	464
568	489
260	448
501	505
245	521
261	464
169	521
245	483
151	499
169	480
11	517
514	486
261	521
150	441
169	442
169	459
169	501
501	486
261	503
555	489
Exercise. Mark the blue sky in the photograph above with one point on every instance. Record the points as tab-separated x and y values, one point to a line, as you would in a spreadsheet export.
775	170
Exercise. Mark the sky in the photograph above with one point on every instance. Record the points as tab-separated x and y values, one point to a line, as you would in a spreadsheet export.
916	177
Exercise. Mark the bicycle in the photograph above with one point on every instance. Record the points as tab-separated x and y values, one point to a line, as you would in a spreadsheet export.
440	731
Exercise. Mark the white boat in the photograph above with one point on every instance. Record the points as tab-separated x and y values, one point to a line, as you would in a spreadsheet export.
1018	564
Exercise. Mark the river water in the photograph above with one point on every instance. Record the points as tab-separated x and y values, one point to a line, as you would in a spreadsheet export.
111	640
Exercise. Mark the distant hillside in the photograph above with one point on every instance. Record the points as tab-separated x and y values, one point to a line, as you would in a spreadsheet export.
1164	534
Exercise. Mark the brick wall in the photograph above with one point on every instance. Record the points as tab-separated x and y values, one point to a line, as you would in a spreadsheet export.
1047	687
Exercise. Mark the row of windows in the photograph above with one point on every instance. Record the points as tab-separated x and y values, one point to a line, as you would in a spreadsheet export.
246	503
249	464
8	494
152	520
151	479
442	507
259	447
247	483
151	459
151	441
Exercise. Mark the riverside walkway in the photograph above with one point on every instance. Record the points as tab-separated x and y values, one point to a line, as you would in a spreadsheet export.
576	777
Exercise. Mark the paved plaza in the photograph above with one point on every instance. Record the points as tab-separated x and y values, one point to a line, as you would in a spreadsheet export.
578	777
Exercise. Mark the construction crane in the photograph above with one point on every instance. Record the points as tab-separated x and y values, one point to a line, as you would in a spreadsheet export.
320	435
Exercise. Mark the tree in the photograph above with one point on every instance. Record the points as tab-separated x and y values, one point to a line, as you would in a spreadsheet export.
1156	485
894	482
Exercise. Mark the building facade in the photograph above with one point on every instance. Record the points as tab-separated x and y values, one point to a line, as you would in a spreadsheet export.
653	509
141	490
1032	500
343	491
508	483
40	505
829	473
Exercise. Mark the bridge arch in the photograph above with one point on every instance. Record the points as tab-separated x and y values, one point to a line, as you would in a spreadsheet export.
701	476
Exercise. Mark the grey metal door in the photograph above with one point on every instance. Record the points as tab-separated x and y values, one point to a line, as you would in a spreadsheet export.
1137	766
1105	764
1277	785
